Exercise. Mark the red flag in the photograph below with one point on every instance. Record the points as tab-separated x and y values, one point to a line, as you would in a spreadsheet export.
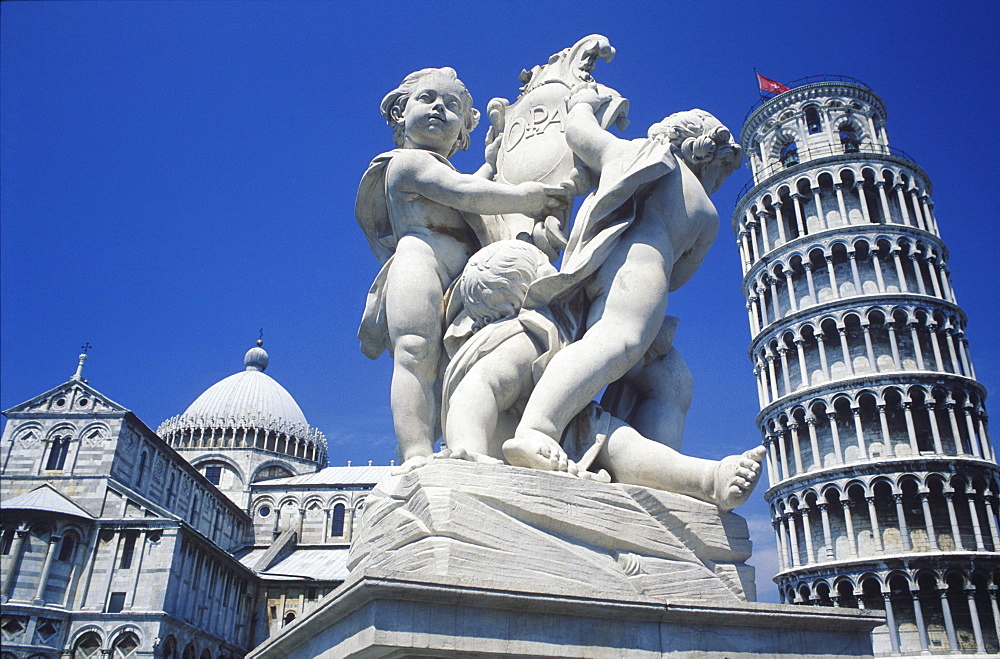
771	86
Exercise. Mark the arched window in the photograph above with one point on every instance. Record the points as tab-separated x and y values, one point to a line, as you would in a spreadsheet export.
67	548
142	471
338	520
813	124
273	471
170	648
57	454
213	473
89	645
128	551
189	652
790	154
170	490
849	139
125	646
290	616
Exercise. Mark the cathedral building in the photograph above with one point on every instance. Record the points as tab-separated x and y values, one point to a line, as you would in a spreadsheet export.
882	480
197	541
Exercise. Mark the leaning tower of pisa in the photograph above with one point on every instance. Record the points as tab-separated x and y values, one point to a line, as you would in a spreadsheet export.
882	481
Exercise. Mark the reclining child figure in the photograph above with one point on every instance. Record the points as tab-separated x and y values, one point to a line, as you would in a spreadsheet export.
493	373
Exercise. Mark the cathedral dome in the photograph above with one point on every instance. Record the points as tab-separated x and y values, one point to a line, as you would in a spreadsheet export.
248	393
247	410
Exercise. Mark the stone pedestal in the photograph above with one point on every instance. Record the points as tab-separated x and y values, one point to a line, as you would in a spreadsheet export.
457	559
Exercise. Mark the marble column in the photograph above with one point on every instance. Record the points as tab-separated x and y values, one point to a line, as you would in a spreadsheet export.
839	187
977	530
790	285
904	532
956	533
886	214
917	351
852	540
900	274
902	204
883	422
14	564
932	329
800	221
793	539
879	278
855	274
930	406
918	615
820	215
848	362
860	187
949	621
783	556
873	518
834	291
859	430
800	352
785	379
817	459
977	629
796	448
43	580
869	349
928	520
894	345
824	514
822	355
890	621
807	532
835	435
808	267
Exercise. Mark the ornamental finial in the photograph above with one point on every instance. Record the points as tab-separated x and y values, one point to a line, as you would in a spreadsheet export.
83	357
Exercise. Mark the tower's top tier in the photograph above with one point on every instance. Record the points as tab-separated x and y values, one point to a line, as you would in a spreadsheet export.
814	120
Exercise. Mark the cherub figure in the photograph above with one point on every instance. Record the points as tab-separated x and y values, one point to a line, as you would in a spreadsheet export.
492	375
638	237
420	215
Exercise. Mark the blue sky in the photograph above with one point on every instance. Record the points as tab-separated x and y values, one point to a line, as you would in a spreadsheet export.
176	175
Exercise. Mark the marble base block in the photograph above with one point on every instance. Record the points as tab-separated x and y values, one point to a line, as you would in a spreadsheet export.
459	560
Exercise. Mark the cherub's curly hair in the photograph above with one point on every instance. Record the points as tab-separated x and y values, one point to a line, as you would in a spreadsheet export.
496	279
394	102
700	138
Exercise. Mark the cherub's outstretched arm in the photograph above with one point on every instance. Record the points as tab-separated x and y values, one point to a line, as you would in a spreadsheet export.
418	172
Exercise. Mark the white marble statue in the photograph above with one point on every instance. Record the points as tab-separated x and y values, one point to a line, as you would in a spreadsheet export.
508	359
640	235
419	215
492	374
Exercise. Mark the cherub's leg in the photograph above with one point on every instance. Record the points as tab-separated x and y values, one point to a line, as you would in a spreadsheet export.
624	319
632	458
664	387
414	300
491	386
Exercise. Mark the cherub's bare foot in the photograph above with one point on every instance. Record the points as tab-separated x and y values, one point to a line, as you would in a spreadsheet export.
538	451
736	476
600	476
462	454
415	462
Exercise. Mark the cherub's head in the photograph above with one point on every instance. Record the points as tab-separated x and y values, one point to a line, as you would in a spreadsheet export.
444	84
496	279
704	143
